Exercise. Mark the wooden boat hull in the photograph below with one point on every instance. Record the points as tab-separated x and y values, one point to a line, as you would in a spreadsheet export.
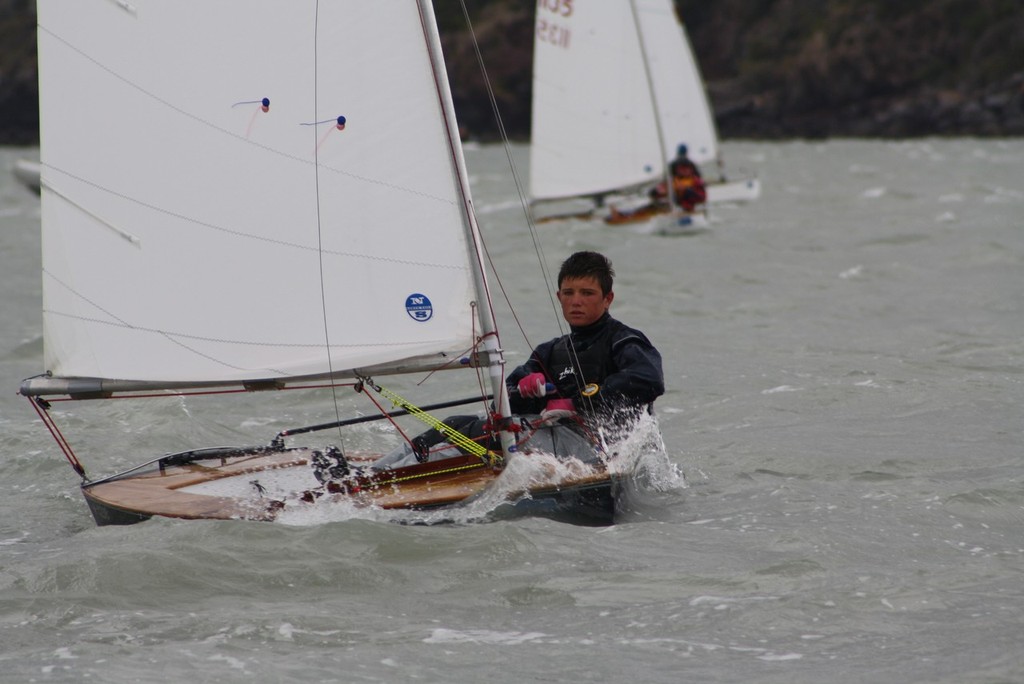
633	209
582	215
640	215
175	490
666	221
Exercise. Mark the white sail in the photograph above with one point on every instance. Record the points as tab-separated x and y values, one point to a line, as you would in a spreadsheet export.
682	103
602	119
193	236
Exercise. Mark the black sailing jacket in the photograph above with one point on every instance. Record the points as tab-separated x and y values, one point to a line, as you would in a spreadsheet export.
620	360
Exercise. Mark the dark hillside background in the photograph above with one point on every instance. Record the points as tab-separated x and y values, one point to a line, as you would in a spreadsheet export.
19	93
773	68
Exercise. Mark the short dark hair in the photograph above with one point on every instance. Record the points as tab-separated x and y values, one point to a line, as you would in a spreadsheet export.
588	264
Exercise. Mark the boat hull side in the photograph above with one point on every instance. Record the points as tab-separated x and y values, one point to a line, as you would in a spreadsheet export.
105	514
746	190
592	504
247	486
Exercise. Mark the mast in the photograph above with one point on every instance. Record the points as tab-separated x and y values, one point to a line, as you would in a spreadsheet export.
490	355
654	102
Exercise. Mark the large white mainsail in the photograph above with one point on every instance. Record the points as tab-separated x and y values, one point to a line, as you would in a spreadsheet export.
195	233
603	120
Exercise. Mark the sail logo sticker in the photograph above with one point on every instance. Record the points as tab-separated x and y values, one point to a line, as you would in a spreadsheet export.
419	308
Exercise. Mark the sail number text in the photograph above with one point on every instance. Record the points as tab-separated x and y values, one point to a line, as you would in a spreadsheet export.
549	28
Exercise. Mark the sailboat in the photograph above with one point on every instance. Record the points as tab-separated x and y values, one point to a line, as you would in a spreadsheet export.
269	205
616	89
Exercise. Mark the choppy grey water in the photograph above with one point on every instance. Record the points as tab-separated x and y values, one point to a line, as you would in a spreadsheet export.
845	361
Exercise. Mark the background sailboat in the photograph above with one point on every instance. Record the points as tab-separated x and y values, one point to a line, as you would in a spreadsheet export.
265	208
615	90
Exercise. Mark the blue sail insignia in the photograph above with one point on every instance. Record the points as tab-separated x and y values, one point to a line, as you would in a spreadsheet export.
419	308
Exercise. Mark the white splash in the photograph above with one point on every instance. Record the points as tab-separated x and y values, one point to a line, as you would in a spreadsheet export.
782	388
1002	195
481	636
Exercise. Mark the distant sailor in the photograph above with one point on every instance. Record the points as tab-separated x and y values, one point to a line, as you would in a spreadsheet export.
688	190
687	185
682	159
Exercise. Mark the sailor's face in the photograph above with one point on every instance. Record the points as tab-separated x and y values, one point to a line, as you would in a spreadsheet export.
582	300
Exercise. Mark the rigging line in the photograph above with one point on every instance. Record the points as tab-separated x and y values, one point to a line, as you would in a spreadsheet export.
529	217
669	189
493	353
213	126
133	239
519	189
319	224
170	336
390	416
481	381
42	408
450	433
517	178
233	231
455	151
523	201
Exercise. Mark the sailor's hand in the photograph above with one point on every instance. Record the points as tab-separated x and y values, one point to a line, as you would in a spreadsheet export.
557	409
533	385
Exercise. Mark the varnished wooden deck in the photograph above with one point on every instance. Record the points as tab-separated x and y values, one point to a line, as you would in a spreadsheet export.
428	485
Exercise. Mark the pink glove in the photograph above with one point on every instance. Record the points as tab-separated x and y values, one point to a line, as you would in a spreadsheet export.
560	405
557	409
533	385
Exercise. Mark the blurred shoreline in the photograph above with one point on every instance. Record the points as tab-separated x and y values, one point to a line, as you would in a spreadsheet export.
774	70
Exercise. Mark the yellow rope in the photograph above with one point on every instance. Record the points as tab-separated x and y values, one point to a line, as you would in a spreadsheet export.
432	473
453	435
